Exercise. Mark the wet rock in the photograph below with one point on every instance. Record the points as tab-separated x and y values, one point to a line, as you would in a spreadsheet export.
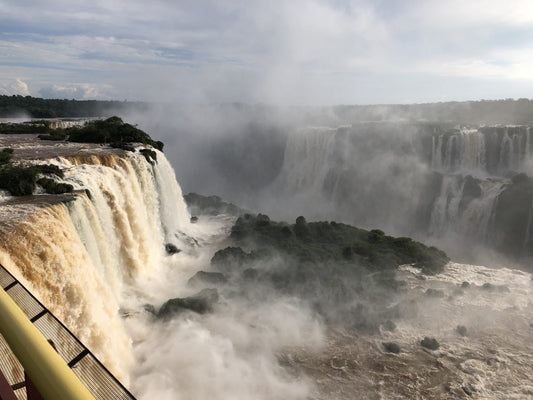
430	343
171	249
201	303
461	330
469	390
211	278
391	347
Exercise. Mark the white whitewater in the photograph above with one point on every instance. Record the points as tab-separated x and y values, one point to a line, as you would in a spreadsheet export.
97	260
493	360
81	258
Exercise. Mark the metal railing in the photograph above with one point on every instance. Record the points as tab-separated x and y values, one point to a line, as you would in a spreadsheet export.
26	327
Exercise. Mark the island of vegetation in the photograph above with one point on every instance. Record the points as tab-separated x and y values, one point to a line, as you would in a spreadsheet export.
21	180
347	274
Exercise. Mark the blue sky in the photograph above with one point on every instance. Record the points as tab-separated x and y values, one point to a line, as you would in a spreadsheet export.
299	52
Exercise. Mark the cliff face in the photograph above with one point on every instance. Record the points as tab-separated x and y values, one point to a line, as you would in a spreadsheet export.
78	252
451	185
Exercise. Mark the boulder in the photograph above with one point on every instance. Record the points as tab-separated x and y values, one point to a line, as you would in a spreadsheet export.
430	343
212	278
171	249
391	347
461	330
201	303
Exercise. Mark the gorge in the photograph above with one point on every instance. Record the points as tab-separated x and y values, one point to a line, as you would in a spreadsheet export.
97	258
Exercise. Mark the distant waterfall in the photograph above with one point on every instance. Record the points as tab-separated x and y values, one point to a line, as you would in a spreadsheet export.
82	253
309	159
464	150
456	212
493	150
407	179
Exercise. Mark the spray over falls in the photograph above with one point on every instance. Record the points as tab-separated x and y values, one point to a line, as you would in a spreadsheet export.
98	257
455	185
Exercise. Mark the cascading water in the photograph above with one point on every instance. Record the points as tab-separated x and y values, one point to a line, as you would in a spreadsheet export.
462	151
99	255
488	150
88	252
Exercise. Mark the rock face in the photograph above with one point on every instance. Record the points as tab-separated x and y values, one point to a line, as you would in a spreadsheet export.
201	303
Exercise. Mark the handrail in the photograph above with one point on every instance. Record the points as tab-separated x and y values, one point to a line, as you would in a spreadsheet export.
50	374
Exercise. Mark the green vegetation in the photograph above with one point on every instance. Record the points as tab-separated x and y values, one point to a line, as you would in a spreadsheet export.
20	180
332	241
150	155
53	187
6	155
54	108
347	274
112	130
8	128
55	134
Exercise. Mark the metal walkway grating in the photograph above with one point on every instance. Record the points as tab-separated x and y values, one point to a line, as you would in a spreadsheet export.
91	372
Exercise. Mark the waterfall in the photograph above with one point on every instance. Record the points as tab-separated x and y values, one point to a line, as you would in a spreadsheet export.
307	159
456	213
461	151
79	257
446	207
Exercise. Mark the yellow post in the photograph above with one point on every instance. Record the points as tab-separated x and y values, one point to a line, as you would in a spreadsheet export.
50	374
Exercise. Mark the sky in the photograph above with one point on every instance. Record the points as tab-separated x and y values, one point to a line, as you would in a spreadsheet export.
286	52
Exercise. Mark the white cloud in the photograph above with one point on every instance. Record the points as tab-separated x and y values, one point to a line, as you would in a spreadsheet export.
301	51
17	86
81	91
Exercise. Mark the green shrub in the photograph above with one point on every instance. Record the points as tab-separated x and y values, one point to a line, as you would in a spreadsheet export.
56	134
52	187
150	155
111	130
6	155
20	180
